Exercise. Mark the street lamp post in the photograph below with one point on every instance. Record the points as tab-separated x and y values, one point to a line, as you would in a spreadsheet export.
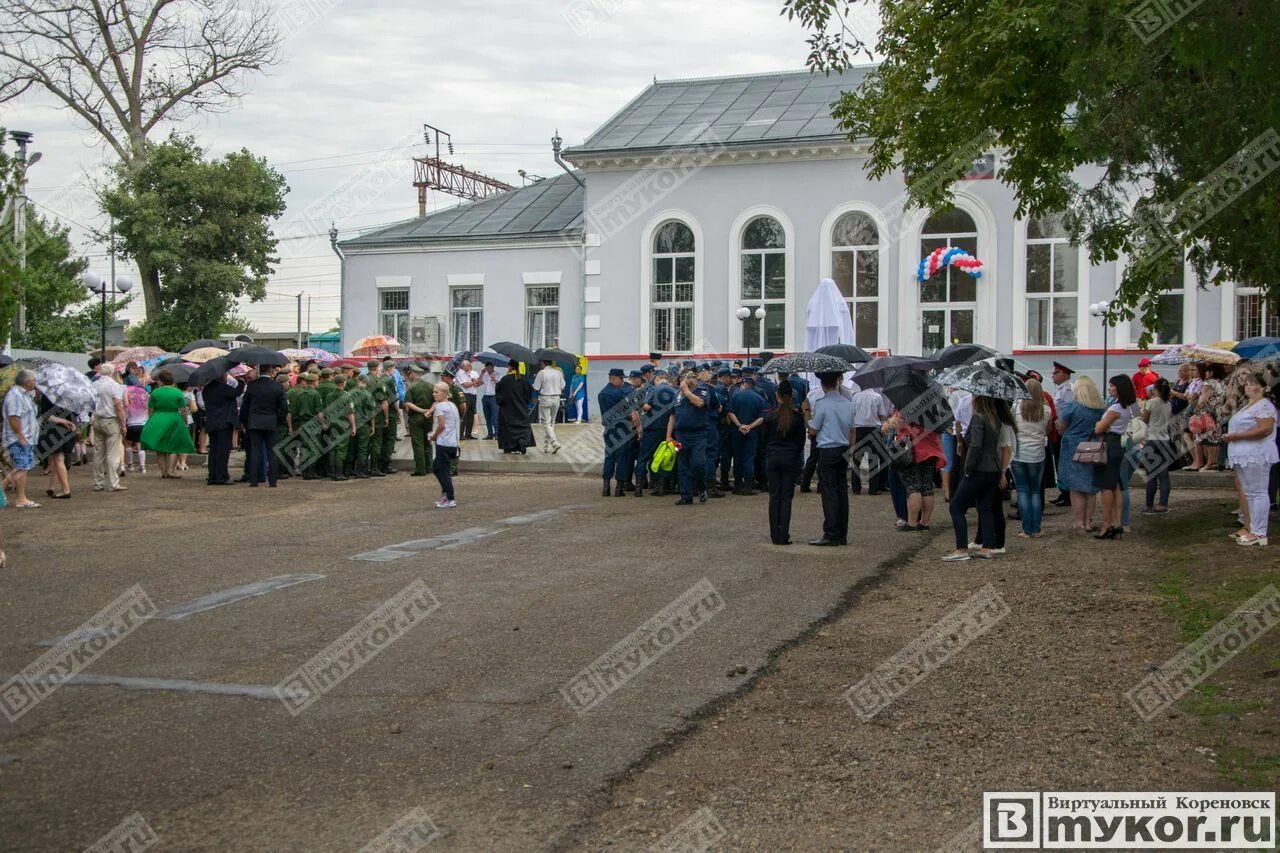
97	284
1102	310
744	314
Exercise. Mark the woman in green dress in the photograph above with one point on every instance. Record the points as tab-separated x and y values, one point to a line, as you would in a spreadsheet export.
166	431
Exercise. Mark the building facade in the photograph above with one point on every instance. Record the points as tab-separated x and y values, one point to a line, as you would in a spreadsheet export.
704	196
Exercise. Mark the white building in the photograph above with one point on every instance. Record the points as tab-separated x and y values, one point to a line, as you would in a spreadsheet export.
702	196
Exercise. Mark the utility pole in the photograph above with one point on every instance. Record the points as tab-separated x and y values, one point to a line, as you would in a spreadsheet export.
23	138
299	321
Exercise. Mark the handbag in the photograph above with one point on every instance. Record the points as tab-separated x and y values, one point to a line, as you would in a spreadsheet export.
1090	453
901	454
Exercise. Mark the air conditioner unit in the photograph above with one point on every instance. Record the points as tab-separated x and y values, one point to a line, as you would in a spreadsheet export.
424	334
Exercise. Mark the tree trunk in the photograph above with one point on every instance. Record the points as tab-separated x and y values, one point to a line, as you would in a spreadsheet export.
150	288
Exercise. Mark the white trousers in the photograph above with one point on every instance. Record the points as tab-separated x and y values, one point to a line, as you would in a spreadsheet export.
1253	482
547	410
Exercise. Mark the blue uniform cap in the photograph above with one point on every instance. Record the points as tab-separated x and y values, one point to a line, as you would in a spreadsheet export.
724	371
704	366
646	368
618	372
735	371
750	370
687	364
635	374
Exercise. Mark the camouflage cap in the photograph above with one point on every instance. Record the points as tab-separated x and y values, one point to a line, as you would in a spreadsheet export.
326	372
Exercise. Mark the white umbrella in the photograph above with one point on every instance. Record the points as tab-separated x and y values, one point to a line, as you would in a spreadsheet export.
66	387
826	318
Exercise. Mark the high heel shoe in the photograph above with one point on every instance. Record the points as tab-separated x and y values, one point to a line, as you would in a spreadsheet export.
1110	533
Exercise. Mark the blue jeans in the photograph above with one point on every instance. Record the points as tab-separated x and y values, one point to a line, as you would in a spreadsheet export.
1028	477
898	495
490	405
692	462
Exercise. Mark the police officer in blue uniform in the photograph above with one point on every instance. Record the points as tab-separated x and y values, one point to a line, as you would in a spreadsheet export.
615	417
746	417
768	389
654	409
688	426
724	389
706	379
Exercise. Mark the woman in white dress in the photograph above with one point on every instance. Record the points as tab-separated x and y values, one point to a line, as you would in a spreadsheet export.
1252	436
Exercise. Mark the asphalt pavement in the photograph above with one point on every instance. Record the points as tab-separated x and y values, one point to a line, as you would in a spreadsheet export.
473	709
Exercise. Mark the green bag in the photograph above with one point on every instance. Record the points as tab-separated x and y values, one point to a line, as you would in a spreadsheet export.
664	458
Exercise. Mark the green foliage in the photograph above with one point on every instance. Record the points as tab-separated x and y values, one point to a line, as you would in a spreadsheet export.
200	231
1065	85
60	314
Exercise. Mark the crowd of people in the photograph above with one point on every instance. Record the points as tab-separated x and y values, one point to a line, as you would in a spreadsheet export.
706	430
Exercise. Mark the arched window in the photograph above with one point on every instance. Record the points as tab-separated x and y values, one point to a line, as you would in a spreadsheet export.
672	299
949	298
855	267
764	282
1053	299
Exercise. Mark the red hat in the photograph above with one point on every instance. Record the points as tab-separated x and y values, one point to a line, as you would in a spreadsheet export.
1144	362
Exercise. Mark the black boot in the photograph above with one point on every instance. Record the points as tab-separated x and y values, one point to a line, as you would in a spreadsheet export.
360	473
604	492
618	491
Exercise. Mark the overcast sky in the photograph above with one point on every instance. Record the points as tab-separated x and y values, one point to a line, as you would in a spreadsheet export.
342	114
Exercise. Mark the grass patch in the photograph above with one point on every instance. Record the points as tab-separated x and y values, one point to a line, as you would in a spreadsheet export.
1247	767
1209	700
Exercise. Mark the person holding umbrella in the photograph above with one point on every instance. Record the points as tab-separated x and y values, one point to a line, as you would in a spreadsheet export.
220	395
784	437
981	481
514	433
263	410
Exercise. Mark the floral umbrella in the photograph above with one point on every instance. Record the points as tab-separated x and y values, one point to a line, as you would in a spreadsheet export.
985	380
139	354
375	345
66	387
203	354
308	354
1211	355
1172	355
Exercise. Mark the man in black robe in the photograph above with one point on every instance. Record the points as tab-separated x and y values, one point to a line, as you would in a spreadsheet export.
515	435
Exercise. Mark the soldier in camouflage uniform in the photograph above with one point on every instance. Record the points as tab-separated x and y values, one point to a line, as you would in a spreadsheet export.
341	417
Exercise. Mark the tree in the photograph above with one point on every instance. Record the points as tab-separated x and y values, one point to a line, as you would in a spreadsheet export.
205	225
127	66
50	285
1163	105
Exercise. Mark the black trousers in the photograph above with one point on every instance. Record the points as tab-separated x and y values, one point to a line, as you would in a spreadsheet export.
810	464
832	468
981	490
879	470
263	441
762	479
469	422
219	455
442	468
783	470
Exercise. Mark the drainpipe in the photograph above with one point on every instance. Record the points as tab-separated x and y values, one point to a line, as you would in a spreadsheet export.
342	284
556	142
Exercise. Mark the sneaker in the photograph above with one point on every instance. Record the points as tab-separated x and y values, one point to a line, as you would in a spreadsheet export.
973	546
120	489
448	504
997	550
899	525
955	557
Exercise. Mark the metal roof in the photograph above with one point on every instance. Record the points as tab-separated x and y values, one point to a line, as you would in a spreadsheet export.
747	109
549	208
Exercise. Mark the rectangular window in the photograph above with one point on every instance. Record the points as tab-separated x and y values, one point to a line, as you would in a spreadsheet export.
857	275
1052	293
1172	308
467	308
672	304
1255	316
393	313
542	313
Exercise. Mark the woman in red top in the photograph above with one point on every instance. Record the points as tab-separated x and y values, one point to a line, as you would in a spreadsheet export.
927	458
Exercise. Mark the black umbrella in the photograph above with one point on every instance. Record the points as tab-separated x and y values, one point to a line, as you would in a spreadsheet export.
515	352
849	352
173	359
807	362
877	372
919	399
258	356
566	361
5	361
962	354
180	372
211	371
201	344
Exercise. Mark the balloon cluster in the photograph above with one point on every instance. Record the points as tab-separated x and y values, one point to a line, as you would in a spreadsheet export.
942	256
